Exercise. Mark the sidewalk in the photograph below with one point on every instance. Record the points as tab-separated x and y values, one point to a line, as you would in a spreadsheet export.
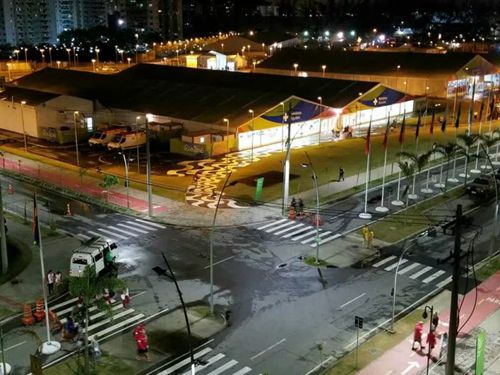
483	314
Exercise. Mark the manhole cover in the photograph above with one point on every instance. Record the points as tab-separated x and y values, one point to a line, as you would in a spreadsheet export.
282	265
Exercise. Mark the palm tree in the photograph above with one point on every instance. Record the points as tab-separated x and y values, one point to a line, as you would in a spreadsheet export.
448	150
467	141
417	163
408	170
87	287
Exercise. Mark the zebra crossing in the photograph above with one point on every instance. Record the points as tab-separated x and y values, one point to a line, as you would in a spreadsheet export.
100	323
209	364
298	232
113	231
415	270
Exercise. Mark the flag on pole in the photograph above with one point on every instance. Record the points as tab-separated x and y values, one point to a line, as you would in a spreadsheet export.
445	119
419	120
367	144
36	233
459	111
481	109
402	131
431	129
386	135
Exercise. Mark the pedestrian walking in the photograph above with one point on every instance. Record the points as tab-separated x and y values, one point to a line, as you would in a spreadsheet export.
141	340
435	321
341	174
431	340
125	298
300	211
417	336
293	204
57	278
365	232
370	239
50	281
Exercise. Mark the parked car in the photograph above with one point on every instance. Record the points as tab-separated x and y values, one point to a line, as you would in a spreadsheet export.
127	140
102	138
481	186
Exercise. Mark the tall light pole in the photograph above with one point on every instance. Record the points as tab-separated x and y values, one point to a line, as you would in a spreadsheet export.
295	66
122	153
75	113
226	121
97	50
69	56
148	169
121	53
58	64
424	315
16	52
26	55
50	56
324	68
23	103
93	65
128	61
137	118
42	50
315	178
405	249
251	151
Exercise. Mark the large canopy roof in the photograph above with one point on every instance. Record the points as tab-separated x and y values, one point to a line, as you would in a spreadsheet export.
376	63
193	94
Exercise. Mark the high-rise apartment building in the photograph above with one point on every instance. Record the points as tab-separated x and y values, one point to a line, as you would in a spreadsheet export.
140	15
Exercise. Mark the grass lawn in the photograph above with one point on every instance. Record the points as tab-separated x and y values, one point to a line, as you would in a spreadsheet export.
106	366
19	258
490	268
326	159
413	220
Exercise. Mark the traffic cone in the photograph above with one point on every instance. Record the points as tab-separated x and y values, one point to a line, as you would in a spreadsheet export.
68	210
10	189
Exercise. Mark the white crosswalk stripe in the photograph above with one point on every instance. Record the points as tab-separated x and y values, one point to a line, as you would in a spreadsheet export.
151	223
119	230
134	224
296	232
112	234
327	239
394	265
132	228
421	272
210	364
271	224
383	261
109	238
321	235
289	229
296	238
83	237
409	268
287	224
434	276
445	282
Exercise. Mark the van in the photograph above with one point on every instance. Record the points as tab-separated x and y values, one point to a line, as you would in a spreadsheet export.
102	138
93	254
127	140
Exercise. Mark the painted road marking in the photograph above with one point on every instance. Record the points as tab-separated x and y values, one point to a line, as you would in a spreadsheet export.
83	237
271	224
313	238
184	362
54	307
409	268
421	272
445	282
228	365
435	275
296	232
243	371
134	224
210	361
351	301
267	349
124	323
280	226
327	239
392	266
108	320
304	235
220	261
378	264
151	223
288	229
14	346
121	231
132	228
111	238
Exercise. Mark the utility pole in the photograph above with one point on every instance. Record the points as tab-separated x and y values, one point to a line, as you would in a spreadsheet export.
148	170
287	116
453	328
3	240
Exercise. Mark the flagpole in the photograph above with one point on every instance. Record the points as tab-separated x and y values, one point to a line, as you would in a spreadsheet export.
476	169
457	124
366	214
414	196
381	208
440	184
398	201
48	347
427	189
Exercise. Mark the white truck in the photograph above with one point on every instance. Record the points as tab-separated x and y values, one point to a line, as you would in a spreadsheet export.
103	137
127	140
97	253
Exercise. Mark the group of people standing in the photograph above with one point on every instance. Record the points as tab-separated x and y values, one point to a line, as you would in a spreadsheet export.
53	279
431	336
298	207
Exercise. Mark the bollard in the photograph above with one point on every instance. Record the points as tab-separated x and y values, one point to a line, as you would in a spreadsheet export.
68	210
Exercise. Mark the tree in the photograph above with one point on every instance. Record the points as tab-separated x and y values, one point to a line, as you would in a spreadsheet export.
108	181
89	287
414	167
467	141
448	150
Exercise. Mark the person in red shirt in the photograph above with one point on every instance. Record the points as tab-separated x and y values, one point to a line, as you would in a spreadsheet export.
431	340
141	340
417	336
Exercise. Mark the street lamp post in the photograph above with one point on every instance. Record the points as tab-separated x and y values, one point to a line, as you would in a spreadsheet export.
58	64
122	153
251	151
75	113
93	64
315	178
137	118
8	71
128	60
69	56
405	249
26	55
50	56
295	66
42	50
97	50
324	68
22	120
424	315
121	53
226	121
